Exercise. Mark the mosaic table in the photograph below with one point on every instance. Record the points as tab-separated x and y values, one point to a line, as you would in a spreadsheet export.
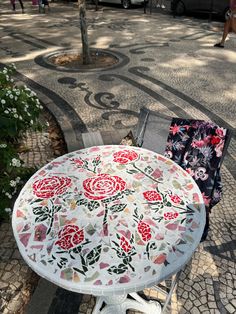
109	221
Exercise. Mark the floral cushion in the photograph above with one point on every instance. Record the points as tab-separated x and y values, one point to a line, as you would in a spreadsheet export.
197	146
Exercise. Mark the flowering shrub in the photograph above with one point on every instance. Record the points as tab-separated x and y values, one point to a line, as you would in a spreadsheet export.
19	111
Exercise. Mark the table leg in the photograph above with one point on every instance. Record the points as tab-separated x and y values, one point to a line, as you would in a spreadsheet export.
120	304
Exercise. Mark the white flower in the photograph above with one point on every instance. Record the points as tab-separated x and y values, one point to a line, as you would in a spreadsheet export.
18	93
6	111
14	110
4	71
12	80
11	96
28	114
3	101
8	195
17	179
12	183
16	98
31	122
20	117
3	145
16	115
7	77
8	210
16	162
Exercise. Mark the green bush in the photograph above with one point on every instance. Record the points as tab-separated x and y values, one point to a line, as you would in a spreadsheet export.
19	111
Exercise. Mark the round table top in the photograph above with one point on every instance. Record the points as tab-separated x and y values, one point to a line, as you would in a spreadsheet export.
108	219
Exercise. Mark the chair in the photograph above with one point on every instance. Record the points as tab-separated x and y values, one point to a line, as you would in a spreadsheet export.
197	146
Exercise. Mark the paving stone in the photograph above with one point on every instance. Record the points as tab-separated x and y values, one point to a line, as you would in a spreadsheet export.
230	308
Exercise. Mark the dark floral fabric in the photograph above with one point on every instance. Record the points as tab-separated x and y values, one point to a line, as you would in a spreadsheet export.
197	146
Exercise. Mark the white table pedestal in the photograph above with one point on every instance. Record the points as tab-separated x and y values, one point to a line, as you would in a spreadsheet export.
120	304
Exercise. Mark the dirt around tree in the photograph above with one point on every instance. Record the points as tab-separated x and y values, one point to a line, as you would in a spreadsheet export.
71	60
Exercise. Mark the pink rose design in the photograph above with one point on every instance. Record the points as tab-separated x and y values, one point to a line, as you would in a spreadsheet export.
175	199
124	244
50	187
103	186
152	196
144	230
125	156
79	162
69	237
170	215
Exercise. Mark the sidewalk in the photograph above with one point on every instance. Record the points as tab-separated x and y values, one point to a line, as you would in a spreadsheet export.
170	66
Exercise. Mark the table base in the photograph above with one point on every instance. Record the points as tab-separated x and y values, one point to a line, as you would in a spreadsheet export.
121	303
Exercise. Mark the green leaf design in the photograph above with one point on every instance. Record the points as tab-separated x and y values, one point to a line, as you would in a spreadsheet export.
39	211
79	270
120	269
84	264
57	208
82	201
42	218
94	255
148	170
132	171
93	205
117	207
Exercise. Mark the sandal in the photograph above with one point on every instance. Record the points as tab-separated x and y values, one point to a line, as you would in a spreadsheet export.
219	45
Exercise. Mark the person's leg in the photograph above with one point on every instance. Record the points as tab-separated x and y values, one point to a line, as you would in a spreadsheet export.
22	5
13	5
226	31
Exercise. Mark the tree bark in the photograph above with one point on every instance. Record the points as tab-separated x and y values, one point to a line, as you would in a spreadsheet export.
84	32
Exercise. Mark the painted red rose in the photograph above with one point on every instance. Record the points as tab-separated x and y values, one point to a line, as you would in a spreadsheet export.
170	215
69	237
175	199
124	244
125	156
50	187
103	186
79	162
144	230
152	196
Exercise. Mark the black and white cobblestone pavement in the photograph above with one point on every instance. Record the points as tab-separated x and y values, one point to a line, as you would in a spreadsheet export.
168	65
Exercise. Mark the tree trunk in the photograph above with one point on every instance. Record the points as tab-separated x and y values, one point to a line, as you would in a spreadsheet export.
84	32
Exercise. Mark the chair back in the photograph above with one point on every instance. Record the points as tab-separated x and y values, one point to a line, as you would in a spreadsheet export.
152	130
197	146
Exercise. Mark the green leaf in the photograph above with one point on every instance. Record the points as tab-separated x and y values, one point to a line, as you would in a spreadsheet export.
41	218
94	255
93	205
82	202
118	270
132	171
117	207
79	270
39	211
